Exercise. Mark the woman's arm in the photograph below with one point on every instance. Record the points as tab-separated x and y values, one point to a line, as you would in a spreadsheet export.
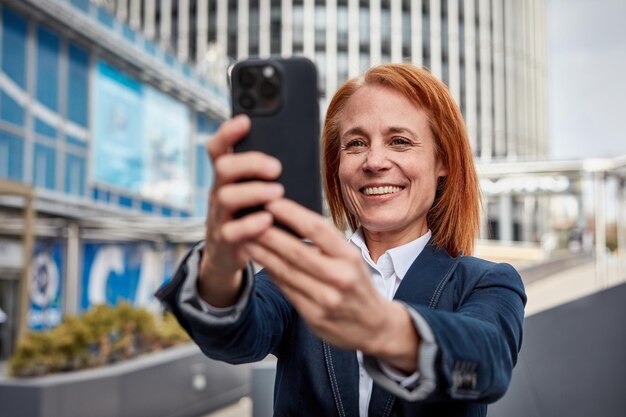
476	345
247	331
217	272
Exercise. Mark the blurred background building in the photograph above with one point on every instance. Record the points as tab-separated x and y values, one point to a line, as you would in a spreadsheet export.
492	54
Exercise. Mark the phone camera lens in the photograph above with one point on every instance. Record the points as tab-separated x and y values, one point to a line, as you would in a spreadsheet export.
268	89
247	101
247	78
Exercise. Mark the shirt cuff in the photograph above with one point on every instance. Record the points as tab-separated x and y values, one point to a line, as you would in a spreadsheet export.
406	381
193	304
426	378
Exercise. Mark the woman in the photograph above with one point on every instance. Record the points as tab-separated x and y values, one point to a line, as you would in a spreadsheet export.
399	303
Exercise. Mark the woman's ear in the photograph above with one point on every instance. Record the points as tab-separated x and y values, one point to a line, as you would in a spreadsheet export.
442	170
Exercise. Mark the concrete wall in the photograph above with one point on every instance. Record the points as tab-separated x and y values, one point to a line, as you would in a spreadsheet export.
573	361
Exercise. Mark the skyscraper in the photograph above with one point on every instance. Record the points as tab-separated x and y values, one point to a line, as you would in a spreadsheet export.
491	53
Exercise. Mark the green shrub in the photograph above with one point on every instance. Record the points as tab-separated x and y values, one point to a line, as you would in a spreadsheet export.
102	335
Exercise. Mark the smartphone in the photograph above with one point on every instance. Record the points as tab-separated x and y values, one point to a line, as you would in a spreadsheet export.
281	98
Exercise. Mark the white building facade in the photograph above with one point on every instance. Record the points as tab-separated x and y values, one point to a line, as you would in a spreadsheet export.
491	53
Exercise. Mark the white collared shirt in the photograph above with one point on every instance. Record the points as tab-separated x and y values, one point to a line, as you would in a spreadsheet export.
387	275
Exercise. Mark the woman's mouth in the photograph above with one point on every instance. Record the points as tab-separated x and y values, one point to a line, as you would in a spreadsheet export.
387	189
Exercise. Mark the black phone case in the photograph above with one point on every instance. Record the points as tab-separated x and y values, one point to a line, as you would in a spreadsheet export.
290	132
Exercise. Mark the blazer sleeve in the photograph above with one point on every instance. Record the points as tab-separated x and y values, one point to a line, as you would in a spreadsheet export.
477	344
253	330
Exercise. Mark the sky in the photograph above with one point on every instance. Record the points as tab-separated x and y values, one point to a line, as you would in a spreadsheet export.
587	78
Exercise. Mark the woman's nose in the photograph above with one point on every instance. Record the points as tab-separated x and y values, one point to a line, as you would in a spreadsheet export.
376	159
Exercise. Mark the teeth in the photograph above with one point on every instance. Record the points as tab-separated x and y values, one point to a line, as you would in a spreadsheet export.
381	190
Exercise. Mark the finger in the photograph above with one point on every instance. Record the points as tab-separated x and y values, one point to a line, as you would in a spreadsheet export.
246	228
233	197
304	257
235	167
311	225
229	133
290	278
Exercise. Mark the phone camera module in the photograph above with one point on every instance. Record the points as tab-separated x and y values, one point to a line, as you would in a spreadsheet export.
257	89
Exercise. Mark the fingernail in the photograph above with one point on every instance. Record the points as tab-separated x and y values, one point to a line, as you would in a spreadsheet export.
265	217
276	189
240	119
273	166
274	205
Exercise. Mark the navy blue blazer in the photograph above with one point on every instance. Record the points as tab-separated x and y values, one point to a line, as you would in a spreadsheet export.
475	309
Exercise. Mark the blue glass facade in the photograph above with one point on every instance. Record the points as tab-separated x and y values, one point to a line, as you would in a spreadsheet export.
47	124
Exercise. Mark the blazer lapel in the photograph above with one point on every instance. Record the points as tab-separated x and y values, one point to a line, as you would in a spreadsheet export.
426	278
343	372
422	284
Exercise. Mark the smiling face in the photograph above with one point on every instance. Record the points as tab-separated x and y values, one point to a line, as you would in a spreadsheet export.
388	170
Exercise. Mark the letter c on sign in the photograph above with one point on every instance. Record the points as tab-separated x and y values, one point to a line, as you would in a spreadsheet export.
108	259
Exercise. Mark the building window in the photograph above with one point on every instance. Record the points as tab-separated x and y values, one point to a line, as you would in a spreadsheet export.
320	60
275	27
320	26
43	128
406	30
232	29
10	110
426	40
385	30
364	62
254	28
74	174
342	67
77	86
298	27
47	67
44	166
11	156
342	27
14	35
364	27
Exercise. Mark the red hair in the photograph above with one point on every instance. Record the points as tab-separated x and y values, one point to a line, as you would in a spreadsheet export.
455	213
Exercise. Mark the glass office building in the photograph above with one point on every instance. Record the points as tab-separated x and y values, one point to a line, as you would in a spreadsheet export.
106	130
91	112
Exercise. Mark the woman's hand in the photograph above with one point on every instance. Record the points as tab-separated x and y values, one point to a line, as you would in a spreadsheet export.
330	286
220	275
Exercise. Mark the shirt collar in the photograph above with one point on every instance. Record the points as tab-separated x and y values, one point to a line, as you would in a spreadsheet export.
402	257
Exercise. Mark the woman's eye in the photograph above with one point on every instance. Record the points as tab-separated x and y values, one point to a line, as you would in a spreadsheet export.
354	143
399	141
